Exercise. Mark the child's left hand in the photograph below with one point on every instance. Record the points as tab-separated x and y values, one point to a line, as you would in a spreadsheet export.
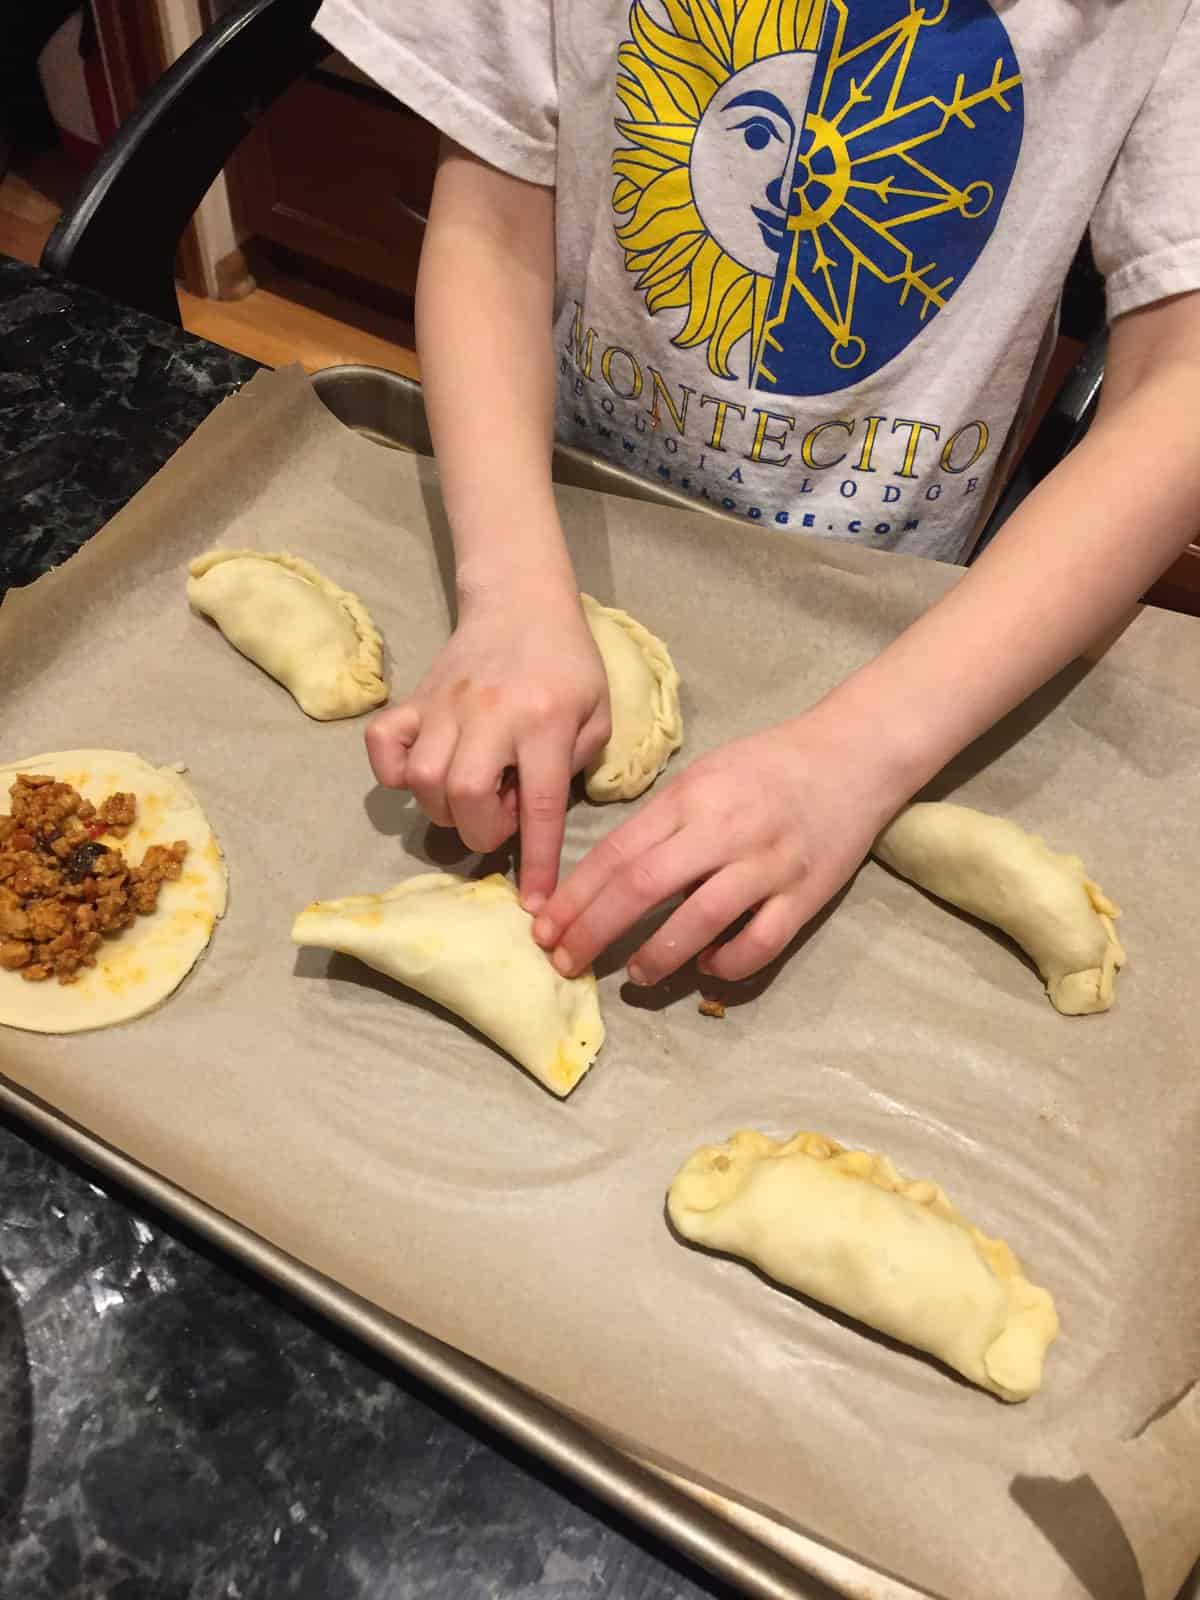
779	820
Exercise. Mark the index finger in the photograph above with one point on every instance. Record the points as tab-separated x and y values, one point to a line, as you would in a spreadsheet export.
603	861
543	786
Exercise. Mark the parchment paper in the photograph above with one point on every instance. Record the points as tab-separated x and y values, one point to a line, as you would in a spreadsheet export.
323	1107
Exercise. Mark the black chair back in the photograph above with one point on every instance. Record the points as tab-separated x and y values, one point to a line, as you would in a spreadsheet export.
123	231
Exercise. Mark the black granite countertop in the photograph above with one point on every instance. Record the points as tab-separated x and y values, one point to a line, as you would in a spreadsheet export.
93	399
171	1428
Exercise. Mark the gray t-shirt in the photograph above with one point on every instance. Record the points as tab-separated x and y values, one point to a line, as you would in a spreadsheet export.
810	251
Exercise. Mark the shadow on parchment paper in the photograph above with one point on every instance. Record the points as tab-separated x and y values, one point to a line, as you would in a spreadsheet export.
1078	1521
1165	1406
391	811
395	813
442	847
688	980
1010	730
16	1419
334	967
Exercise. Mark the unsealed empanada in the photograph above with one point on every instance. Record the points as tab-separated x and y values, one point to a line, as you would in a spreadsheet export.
844	1227
643	690
1046	902
296	624
469	946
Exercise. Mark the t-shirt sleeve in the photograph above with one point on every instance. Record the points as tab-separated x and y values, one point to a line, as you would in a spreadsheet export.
482	71
1146	228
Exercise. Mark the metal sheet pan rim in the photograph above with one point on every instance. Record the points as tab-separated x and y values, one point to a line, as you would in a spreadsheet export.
614	1477
405	427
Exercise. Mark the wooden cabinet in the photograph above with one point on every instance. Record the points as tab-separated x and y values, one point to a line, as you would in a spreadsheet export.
342	174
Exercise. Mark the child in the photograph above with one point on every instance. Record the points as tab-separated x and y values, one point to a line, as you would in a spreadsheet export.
806	256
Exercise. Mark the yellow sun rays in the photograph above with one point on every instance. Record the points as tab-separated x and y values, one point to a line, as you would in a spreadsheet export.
666	77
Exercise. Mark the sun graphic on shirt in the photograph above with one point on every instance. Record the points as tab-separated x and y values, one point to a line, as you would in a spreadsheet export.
686	228
809	180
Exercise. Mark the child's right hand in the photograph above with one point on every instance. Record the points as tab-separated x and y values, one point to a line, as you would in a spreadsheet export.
520	685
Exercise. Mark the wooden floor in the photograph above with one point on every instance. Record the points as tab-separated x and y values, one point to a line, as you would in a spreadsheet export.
282	321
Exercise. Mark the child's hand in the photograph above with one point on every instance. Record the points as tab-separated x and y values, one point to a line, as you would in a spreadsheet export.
777	821
520	685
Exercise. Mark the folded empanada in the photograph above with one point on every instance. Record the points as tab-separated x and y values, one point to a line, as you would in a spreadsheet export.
1046	902
643	690
469	946
843	1227
296	624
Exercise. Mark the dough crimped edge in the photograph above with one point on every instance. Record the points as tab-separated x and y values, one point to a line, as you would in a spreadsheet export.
1011	1366
1076	994
366	669
663	736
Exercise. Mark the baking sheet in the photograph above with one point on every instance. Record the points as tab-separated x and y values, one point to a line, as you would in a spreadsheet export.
701	1531
316	1103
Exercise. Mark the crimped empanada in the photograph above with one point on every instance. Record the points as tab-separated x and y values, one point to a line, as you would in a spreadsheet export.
296	624
1046	902
843	1227
643	690
469	946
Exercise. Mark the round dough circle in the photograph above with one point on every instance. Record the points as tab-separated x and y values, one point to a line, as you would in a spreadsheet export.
139	967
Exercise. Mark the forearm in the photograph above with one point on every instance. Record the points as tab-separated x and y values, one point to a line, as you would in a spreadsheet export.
484	332
1069	564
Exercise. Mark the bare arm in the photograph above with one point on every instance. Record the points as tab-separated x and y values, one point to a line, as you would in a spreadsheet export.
780	820
485	297
1069	563
520	685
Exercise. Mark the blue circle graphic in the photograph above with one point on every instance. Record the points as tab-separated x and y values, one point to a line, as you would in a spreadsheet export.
912	130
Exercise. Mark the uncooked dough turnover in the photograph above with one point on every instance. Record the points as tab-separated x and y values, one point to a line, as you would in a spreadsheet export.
469	946
643	691
296	624
844	1227
1045	902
